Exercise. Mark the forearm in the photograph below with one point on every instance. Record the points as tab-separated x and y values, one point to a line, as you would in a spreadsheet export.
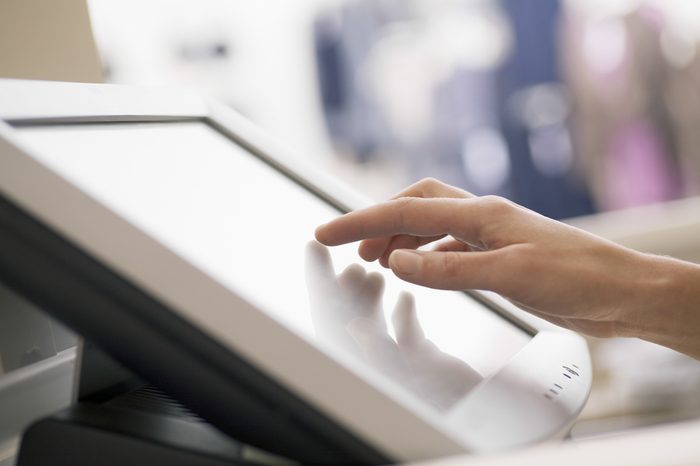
666	309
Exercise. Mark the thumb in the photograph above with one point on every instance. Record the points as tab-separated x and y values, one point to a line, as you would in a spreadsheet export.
447	270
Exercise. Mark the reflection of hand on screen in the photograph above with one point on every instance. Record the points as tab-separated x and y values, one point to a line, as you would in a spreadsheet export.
337	300
347	310
439	378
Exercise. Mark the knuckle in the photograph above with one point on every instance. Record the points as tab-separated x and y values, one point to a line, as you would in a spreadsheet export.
431	182
429	186
496	205
403	203
451	263
403	208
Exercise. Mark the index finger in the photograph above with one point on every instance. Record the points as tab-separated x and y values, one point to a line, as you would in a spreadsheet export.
408	215
380	248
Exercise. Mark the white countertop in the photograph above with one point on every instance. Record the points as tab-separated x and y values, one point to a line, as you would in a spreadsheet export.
669	445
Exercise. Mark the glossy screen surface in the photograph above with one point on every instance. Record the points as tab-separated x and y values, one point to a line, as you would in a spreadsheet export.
251	228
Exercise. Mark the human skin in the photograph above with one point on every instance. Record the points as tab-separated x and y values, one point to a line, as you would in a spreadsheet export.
557	272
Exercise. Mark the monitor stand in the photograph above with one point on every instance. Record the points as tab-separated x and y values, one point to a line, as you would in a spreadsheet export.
118	420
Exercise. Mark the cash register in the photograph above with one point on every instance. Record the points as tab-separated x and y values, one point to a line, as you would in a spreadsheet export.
176	239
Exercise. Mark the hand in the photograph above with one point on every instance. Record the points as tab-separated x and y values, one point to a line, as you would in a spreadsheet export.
347	311
555	271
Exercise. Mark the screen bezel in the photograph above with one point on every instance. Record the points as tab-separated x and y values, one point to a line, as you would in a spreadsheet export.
423	435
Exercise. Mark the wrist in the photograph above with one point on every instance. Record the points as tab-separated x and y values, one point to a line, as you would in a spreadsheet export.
665	304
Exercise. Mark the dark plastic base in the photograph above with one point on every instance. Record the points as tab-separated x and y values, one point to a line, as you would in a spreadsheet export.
111	435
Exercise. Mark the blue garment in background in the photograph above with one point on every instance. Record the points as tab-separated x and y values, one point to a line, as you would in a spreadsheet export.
533	62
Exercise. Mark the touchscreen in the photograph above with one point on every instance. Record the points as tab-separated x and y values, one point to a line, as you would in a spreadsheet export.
251	228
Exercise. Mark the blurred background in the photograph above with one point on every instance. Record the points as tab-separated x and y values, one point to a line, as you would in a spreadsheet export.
567	107
571	108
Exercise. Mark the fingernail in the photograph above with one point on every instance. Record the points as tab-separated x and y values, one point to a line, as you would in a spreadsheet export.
405	262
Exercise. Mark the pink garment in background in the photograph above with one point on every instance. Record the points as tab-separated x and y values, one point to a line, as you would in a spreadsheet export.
637	168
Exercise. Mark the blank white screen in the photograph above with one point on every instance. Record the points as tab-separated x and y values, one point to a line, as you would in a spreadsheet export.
248	226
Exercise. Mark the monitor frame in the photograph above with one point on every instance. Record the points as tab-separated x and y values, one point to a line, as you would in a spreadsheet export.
69	254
